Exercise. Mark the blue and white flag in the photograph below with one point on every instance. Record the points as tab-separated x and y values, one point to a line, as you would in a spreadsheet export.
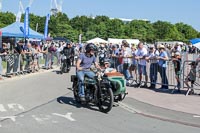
196	42
46	26
26	23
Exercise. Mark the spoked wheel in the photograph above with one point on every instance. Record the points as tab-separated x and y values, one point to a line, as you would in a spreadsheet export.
106	100
75	91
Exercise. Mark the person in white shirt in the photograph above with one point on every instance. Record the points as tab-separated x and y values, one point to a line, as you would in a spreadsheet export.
126	54
141	57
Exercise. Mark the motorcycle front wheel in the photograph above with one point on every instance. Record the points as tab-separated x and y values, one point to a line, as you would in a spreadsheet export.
106	100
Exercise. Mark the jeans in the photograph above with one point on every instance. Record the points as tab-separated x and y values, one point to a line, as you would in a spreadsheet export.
126	67
153	73
120	68
162	71
81	75
58	58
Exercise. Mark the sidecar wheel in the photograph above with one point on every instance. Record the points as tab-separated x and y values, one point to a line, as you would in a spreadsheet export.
106	100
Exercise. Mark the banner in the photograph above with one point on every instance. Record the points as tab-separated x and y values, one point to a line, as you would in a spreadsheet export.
80	38
10	59
46	26
26	23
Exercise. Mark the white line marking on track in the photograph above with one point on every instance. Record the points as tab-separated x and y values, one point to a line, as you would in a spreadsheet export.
67	116
16	107
196	116
128	108
41	118
13	118
2	109
37	119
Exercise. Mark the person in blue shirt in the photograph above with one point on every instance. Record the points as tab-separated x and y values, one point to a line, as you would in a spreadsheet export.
162	66
83	66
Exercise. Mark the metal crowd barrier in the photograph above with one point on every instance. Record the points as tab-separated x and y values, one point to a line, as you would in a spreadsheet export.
170	75
16	64
192	86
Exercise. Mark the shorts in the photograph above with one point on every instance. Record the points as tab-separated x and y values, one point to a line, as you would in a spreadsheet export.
133	65
192	81
142	69
178	73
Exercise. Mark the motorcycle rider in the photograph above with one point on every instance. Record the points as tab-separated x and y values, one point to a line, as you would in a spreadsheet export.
68	52
83	66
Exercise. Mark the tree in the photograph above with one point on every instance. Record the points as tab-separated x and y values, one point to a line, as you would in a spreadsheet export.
81	23
187	31
90	34
166	31
114	28
142	30
6	18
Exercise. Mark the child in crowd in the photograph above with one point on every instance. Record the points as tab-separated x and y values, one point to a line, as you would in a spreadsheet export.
107	68
177	68
191	77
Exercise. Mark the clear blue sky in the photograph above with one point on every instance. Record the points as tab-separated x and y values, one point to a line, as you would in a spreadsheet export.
173	11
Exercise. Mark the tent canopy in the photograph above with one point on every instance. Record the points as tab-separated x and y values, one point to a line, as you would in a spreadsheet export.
196	42
119	41
97	41
14	30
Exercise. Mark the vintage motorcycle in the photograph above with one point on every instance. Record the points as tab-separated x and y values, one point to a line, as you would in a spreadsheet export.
97	91
103	90
65	64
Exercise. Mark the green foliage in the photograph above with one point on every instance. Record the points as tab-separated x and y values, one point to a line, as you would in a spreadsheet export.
103	27
6	19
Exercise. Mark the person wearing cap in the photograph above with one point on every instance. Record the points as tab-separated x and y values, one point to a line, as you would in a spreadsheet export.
162	66
107	68
151	57
114	56
177	68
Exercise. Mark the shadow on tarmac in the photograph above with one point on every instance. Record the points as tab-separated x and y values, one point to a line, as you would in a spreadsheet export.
72	102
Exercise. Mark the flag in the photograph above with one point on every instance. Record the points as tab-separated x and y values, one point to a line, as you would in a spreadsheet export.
80	38
46	26
196	42
26	23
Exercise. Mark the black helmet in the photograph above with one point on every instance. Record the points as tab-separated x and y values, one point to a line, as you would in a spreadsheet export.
89	47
